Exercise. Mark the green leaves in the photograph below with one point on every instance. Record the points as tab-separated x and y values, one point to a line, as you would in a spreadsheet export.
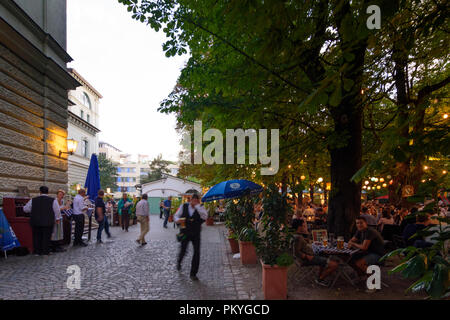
336	96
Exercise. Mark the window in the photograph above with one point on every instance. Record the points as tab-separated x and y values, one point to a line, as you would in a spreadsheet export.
128	179
119	169
134	170
128	169
119	179
86	100
134	179
82	114
88	117
85	149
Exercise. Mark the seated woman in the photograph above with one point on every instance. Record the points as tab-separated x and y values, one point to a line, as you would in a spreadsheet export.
304	252
370	242
386	218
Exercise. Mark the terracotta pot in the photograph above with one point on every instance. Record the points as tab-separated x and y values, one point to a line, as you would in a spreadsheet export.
274	281
248	252
170	218
234	245
210	221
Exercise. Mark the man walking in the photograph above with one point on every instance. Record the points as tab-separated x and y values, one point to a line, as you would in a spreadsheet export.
44	211
194	215
124	209
79	207
167	205
101	217
143	217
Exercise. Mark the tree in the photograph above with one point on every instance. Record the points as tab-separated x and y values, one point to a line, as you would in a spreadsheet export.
304	67
158	166
108	173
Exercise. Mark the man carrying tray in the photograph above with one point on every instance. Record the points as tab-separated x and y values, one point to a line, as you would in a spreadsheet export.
191	216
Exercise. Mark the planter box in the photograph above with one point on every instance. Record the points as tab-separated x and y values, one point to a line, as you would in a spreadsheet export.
210	221
234	245
274	281
248	252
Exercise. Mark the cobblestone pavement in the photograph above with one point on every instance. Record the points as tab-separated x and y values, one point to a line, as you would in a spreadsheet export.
121	269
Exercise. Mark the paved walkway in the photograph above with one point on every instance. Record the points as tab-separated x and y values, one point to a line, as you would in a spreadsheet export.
121	269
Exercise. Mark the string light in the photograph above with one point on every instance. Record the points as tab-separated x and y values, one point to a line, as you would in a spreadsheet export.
381	179
366	182
445	116
425	167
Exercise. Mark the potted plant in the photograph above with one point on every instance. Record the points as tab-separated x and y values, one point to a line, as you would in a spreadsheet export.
273	244
210	207
231	217
247	234
247	240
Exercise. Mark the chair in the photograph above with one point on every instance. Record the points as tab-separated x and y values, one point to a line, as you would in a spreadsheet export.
389	230
303	270
398	240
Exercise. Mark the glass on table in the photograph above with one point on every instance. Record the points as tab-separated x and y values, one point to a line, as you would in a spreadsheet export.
340	243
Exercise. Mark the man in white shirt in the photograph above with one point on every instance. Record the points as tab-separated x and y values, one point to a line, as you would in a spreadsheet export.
143	217
44	211
194	215
79	208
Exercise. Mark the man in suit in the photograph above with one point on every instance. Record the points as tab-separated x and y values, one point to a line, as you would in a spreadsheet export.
194	215
44	211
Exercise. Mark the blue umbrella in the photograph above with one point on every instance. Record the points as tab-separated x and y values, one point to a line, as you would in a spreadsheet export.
8	239
232	189
93	185
93	178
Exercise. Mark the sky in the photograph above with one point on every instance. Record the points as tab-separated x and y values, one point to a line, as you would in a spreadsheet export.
123	60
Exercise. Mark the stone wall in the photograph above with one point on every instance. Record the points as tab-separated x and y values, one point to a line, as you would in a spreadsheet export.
33	115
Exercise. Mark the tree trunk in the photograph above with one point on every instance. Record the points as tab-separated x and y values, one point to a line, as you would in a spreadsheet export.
345	196
346	157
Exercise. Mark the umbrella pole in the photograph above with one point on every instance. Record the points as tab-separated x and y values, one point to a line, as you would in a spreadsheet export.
90	226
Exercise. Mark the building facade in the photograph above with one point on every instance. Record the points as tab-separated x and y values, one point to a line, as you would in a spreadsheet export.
34	85
83	128
110	152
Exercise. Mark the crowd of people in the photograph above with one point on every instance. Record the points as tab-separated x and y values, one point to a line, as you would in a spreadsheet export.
47	215
375	224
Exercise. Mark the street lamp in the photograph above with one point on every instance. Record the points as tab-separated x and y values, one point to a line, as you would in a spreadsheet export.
71	147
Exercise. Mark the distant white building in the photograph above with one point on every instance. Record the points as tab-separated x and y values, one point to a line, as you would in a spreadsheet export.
109	151
169	186
83	127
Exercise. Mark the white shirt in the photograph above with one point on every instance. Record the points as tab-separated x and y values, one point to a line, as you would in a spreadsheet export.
200	209
142	208
78	205
56	208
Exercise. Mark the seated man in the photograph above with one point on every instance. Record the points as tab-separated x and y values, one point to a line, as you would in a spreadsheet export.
303	251
370	242
422	221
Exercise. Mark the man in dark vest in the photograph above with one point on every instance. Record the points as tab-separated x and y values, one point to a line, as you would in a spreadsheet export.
44	211
192	215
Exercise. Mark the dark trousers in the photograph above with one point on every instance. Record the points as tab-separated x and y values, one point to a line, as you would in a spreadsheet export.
196	257
161	211
125	220
79	228
104	224
41	239
166	217
67	229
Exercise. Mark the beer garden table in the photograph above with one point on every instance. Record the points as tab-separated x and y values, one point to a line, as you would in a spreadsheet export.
344	255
